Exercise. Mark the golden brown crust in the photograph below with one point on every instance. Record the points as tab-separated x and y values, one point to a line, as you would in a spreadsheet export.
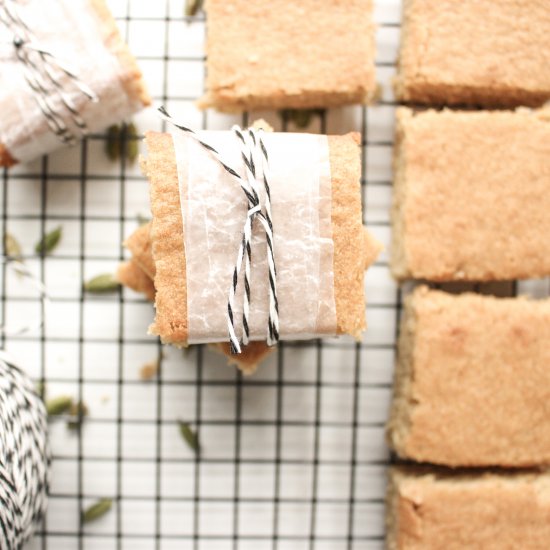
463	52
352	251
472	385
139	245
429	511
403	399
470	195
250	358
248	43
347	234
131	77
166	237
371	248
6	160
131	275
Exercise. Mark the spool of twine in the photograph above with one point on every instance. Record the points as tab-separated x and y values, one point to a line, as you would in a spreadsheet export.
24	456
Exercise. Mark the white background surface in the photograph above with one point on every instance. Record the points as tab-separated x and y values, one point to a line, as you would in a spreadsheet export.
293	457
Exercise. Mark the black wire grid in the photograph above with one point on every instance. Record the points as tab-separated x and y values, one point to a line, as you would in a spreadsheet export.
293	457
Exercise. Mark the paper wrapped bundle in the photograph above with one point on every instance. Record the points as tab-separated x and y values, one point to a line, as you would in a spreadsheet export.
65	72
316	236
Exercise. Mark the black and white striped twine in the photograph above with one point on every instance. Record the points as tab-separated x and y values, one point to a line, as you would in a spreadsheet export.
256	160
42	69
24	456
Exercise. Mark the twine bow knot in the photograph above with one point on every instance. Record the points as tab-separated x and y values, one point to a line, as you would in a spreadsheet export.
256	160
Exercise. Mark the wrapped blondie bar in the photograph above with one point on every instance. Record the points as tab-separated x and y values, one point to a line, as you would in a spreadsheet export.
65	72
223	275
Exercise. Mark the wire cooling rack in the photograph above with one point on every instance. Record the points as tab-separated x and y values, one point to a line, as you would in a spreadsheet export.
293	457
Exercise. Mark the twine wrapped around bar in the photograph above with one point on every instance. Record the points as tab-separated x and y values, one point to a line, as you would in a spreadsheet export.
256	160
41	68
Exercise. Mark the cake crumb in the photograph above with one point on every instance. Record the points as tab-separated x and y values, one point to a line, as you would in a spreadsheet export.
149	370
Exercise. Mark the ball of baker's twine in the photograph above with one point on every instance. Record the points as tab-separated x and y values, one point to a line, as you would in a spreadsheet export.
24	456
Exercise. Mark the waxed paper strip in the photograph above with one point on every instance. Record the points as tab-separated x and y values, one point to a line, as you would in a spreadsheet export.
70	29
214	210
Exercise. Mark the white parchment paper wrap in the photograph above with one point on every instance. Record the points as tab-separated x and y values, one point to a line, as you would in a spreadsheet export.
70	29
214	210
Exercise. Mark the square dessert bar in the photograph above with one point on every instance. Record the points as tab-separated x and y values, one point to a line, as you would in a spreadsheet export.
475	52
354	248
456	512
471	198
278	54
472	382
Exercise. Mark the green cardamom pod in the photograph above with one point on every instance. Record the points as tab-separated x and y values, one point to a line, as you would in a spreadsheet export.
49	241
113	142
41	389
142	220
97	510
300	117
102	284
77	411
59	405
132	142
12	248
192	7
189	436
